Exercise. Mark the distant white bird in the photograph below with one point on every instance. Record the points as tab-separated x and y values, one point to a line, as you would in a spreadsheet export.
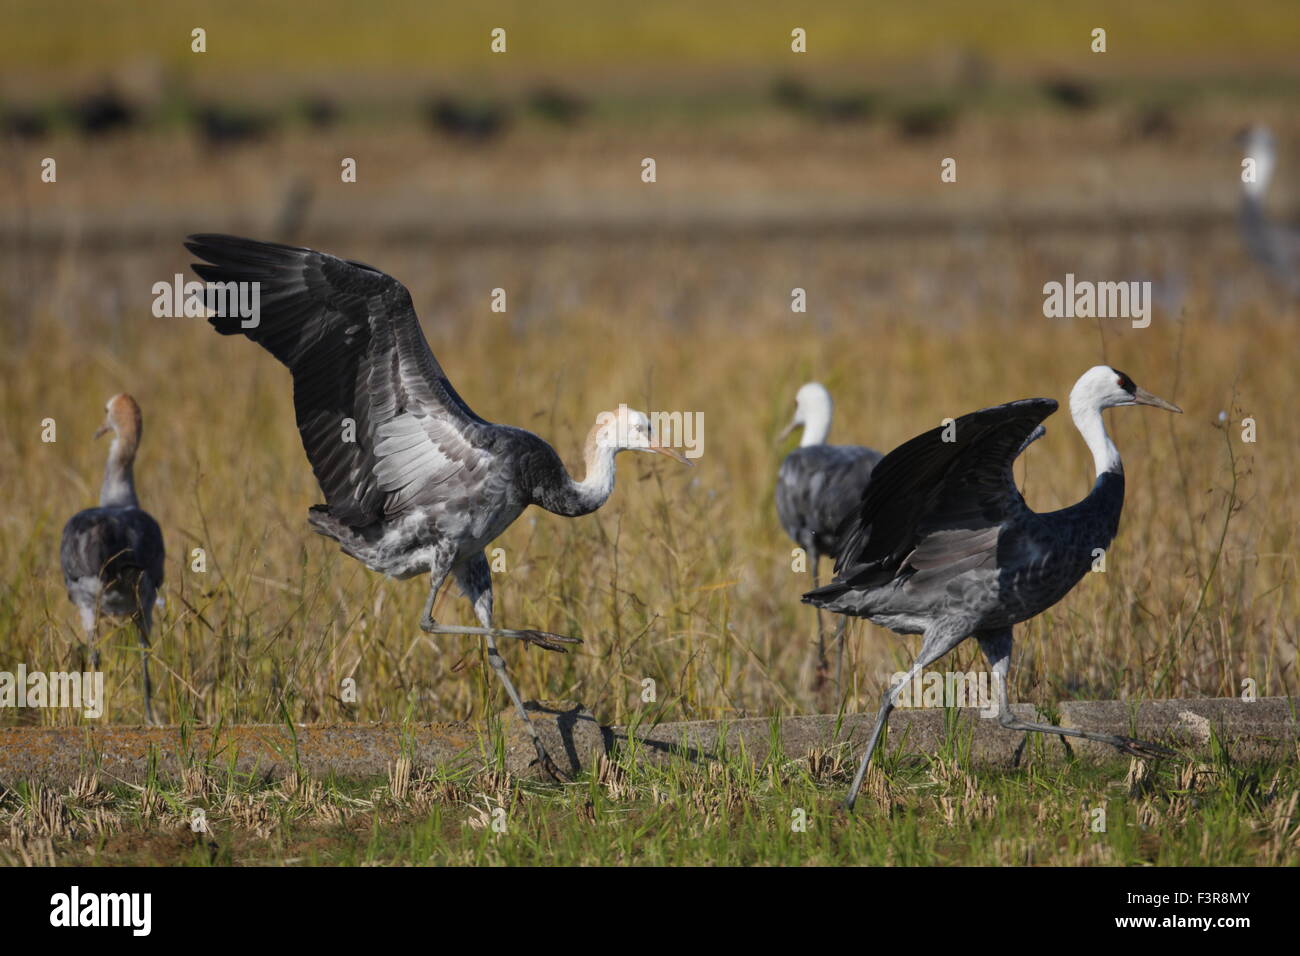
414	481
112	556
817	488
944	545
1276	246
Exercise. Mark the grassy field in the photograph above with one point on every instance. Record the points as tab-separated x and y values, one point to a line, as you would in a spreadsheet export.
682	304
769	811
924	301
685	576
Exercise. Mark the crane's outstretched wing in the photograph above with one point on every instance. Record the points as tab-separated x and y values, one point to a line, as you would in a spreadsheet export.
351	338
1036	434
933	503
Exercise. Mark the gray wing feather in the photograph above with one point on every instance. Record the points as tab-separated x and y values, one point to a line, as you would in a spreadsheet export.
351	338
937	507
1036	434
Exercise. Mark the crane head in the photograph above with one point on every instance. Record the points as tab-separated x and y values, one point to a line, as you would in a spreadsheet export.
812	413
630	430
1105	387
122	417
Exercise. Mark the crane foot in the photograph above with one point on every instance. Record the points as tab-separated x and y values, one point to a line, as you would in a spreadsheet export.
546	640
554	772
1141	748
543	639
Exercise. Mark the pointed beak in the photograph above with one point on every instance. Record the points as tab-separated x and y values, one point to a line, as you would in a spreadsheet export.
102	429
785	432
1142	397
670	452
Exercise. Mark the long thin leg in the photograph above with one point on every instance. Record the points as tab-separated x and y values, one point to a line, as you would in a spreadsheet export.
543	639
142	629
996	646
475	580
88	625
499	667
144	626
839	658
937	643
821	668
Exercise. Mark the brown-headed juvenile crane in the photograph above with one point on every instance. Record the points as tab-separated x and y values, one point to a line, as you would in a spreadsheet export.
112	556
818	487
944	545
424	484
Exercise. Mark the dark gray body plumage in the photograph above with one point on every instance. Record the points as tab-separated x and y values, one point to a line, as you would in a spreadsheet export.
943	538
112	562
817	488
426	483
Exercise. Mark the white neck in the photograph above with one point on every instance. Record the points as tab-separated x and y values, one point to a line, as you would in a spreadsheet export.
598	484
118	488
816	424
1264	162
1087	418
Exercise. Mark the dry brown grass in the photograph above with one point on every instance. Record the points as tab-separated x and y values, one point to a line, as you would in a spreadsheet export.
685	575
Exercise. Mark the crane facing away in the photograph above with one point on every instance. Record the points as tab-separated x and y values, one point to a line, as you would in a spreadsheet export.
944	545
817	488
426	483
112	556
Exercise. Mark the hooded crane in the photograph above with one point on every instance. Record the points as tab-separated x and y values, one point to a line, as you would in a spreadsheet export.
1276	246
425	484
112	556
817	489
944	545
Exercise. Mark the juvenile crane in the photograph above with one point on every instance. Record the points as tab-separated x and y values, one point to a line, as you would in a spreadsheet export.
424	484
112	556
944	545
817	489
1274	245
